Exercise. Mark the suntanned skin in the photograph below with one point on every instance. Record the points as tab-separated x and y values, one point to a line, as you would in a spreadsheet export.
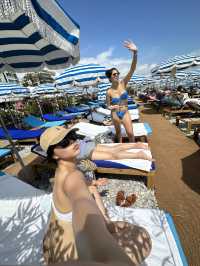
70	193
117	89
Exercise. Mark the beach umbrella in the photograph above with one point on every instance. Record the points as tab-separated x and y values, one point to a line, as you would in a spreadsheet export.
80	76
45	89
103	87
36	34
176	63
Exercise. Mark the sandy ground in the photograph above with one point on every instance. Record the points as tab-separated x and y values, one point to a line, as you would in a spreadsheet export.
178	179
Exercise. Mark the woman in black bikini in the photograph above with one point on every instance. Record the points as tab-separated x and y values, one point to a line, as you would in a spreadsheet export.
117	96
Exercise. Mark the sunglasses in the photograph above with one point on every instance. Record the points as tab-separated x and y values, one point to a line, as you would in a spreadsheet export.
116	74
67	141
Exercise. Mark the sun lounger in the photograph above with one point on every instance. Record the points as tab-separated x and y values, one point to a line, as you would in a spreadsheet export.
171	111
35	122
91	130
76	109
24	216
133	167
6	155
53	117
22	134
100	114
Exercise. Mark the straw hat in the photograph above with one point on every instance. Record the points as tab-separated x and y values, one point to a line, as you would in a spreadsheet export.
54	135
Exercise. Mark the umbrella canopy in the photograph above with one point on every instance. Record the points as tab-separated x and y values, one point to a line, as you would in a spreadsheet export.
103	87
35	34
176	63
45	89
8	90
136	79
82	75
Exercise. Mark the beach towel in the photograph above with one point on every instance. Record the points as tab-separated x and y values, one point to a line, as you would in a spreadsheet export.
139	164
24	216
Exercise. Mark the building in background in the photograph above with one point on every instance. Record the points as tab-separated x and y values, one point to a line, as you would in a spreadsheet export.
8	77
37	78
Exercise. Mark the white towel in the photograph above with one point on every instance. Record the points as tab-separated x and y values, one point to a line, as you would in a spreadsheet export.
90	130
139	164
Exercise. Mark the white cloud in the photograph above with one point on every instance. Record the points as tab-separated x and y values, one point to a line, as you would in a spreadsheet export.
107	59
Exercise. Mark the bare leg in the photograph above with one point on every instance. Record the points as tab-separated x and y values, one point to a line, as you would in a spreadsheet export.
100	155
121	147
87	221
128	126
117	125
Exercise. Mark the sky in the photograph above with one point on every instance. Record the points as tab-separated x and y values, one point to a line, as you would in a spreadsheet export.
160	29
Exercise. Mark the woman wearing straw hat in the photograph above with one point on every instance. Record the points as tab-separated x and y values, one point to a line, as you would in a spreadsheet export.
75	211
117	96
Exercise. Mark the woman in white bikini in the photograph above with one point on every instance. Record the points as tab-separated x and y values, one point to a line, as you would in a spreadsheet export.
59	242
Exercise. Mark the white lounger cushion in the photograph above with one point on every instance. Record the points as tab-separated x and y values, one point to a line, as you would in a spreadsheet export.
140	164
164	248
105	112
90	130
24	215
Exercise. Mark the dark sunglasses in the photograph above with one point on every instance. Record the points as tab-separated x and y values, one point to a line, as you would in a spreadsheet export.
67	141
116	74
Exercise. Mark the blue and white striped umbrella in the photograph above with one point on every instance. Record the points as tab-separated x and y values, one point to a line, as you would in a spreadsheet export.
103	87
82	75
45	89
35	34
177	62
140	79
11	89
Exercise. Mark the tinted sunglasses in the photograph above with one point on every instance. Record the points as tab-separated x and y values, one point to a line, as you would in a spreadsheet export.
116	74
67	141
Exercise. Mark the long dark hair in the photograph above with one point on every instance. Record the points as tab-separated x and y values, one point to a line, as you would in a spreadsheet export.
108	72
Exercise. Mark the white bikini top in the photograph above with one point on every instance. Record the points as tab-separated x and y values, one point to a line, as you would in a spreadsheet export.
60	215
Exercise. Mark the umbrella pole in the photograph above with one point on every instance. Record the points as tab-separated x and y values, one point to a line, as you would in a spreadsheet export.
40	108
11	142
90	106
12	118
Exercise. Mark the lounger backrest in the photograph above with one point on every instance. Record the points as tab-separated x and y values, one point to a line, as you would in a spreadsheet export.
33	121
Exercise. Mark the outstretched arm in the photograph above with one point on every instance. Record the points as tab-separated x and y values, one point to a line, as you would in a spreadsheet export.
95	244
132	47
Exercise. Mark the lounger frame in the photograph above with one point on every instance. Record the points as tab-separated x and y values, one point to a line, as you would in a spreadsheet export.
134	172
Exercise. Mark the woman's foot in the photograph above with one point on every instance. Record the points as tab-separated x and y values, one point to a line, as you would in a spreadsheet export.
144	156
141	145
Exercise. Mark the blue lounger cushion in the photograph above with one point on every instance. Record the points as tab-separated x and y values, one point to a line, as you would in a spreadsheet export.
21	134
53	117
132	106
116	165
148	128
5	152
76	109
33	122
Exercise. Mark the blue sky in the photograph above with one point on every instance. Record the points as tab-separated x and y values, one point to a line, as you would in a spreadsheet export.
160	29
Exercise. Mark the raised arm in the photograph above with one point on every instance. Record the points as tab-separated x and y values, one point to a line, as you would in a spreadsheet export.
132	47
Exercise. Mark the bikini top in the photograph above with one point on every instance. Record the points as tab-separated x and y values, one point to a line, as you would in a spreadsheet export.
122	97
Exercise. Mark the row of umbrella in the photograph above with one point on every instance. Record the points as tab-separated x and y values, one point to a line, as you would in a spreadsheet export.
36	34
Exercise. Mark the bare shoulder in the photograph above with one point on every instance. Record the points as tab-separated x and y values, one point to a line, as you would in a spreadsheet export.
109	91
